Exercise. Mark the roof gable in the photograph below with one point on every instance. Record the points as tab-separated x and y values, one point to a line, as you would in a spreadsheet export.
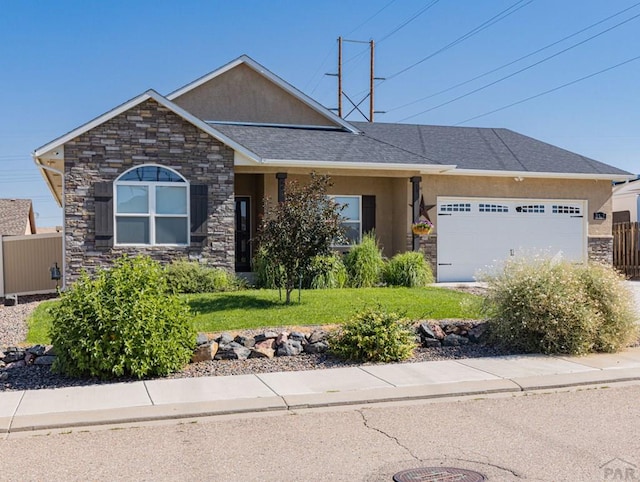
245	91
150	94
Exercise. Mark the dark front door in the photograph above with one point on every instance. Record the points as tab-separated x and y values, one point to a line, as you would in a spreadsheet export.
243	233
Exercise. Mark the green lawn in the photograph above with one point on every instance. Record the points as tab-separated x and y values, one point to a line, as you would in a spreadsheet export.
215	312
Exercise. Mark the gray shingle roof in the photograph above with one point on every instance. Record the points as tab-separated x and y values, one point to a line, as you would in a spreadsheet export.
311	144
465	147
14	216
485	149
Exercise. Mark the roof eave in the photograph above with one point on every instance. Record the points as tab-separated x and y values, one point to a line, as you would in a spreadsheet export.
540	175
385	166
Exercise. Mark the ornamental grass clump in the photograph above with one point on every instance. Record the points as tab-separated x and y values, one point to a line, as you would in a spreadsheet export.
408	269
374	335
364	263
549	306
123	322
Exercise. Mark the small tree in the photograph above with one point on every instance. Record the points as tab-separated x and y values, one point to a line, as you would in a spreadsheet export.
292	232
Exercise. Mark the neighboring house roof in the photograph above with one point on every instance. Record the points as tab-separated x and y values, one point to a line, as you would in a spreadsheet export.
16	217
249	62
630	187
322	145
485	149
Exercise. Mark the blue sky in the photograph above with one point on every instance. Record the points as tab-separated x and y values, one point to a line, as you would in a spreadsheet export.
63	63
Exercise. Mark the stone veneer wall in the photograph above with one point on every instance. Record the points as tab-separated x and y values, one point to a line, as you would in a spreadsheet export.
600	248
146	134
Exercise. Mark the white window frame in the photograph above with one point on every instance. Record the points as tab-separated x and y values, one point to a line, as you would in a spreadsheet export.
151	214
359	220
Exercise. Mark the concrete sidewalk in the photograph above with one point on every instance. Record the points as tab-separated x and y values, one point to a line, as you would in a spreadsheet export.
206	396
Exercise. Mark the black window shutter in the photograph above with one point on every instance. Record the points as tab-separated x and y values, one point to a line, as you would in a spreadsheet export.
199	203
103	201
368	214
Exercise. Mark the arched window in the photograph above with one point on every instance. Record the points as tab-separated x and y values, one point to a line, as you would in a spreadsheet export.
151	207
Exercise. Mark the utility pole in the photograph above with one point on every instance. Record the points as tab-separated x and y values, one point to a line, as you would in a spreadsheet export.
372	79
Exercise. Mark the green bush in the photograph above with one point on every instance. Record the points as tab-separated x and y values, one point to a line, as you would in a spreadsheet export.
557	307
124	322
194	277
364	263
407	269
374	335
327	272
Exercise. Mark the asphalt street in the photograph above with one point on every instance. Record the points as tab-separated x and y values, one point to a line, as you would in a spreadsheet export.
577	435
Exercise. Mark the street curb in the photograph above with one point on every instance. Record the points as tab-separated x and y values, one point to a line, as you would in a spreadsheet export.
178	411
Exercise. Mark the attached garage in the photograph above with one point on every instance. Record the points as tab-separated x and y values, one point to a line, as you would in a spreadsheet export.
475	234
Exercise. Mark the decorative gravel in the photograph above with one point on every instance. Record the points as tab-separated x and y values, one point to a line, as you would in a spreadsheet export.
13	330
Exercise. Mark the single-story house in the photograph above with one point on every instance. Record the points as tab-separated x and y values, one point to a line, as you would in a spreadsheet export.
185	175
16	217
626	202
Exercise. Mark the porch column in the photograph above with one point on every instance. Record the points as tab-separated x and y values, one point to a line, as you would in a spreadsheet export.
415	208
281	177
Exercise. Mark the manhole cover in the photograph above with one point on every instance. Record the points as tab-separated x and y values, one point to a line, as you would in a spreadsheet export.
433	474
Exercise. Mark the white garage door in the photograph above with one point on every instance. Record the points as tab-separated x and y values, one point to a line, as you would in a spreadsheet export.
476	234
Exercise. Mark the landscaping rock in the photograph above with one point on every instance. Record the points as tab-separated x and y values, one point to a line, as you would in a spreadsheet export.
267	335
454	340
262	352
224	339
318	347
298	336
16	364
45	360
316	336
282	337
246	341
232	351
202	339
289	348
425	331
268	344
456	327
431	343
13	354
478	332
29	357
37	350
4	376
205	352
439	332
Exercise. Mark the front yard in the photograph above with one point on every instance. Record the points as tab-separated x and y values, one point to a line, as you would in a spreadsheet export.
216	312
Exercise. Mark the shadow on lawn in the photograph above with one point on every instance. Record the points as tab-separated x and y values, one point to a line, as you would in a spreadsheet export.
232	302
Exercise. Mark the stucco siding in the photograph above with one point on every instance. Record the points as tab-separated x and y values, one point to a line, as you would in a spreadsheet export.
243	95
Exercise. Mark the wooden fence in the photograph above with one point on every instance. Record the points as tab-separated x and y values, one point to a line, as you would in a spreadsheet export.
25	263
626	249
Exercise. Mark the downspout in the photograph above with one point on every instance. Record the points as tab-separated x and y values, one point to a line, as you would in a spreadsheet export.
64	224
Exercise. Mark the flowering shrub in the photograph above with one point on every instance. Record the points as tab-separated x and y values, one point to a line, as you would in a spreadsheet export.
557	307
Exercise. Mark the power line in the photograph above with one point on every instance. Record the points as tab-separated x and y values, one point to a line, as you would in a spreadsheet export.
371	17
496	18
513	61
324	61
408	21
490	84
550	90
397	29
